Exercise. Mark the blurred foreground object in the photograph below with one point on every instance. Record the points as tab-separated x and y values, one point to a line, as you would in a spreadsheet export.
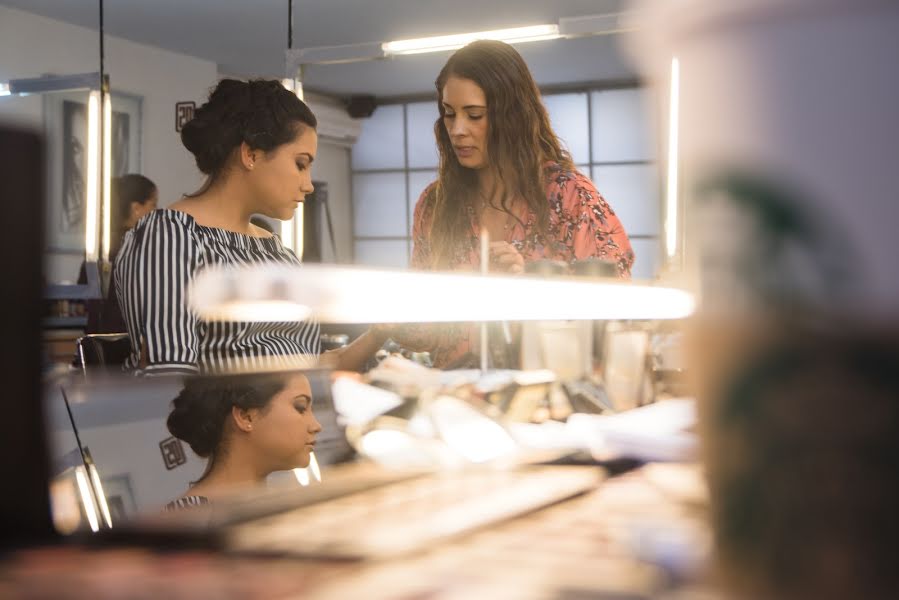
801	433
787	144
788	129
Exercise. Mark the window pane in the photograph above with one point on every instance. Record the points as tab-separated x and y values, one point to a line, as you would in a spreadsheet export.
379	204
621	126
382	253
418	181
646	263
380	144
568	113
633	193
420	118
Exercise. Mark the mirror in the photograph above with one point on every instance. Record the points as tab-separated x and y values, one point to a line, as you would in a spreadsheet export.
57	104
369	170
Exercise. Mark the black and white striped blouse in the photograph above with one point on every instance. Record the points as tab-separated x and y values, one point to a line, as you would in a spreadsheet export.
156	263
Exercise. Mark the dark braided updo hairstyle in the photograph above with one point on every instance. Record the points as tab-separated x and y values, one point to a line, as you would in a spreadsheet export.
260	112
200	411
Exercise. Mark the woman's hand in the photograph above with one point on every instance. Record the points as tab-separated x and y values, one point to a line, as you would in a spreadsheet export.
504	257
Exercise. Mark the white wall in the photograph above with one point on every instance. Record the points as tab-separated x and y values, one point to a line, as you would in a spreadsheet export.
31	45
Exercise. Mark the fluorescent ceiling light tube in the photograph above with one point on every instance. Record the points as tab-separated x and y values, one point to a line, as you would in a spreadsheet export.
336	294
334	55
54	83
514	35
590	25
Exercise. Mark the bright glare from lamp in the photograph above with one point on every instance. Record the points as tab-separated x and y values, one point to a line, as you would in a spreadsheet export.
438	43
92	183
4	89
333	294
671	196
468	432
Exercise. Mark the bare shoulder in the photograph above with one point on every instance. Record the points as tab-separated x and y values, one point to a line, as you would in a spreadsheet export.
185	205
257	231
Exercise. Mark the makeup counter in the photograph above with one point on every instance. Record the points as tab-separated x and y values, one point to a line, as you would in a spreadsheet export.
443	483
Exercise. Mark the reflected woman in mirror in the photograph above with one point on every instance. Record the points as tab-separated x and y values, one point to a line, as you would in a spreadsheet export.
502	171
255	141
247	426
133	197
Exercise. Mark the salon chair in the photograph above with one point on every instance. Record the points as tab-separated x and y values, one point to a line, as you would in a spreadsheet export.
101	350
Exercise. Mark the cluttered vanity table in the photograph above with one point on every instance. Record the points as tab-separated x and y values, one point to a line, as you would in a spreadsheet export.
445	497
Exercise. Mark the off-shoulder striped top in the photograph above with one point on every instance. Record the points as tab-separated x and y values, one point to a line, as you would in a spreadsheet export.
153	269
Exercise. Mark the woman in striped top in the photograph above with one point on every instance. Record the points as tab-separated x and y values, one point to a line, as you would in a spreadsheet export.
247	426
255	141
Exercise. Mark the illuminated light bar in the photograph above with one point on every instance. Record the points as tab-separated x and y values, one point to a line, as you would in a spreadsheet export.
337	294
515	35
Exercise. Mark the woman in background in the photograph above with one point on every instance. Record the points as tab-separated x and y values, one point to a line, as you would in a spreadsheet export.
133	197
503	171
247	426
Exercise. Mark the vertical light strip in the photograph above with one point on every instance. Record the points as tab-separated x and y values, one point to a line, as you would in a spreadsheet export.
107	173
92	177
87	499
287	233
298	231
314	468
485	258
101	495
302	476
671	211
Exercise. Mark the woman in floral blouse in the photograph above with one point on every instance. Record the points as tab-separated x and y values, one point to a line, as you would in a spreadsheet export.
503	171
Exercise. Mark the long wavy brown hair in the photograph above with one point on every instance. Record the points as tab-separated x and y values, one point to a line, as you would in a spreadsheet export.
520	141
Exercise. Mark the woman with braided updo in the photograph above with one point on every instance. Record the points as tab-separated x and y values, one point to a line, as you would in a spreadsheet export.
247	426
255	141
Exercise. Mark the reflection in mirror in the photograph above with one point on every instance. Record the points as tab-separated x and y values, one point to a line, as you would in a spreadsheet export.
122	447
61	111
370	171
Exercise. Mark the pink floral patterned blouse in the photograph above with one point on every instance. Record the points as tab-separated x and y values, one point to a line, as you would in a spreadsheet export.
582	225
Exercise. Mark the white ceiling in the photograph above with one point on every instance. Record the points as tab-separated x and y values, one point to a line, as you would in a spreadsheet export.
248	38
